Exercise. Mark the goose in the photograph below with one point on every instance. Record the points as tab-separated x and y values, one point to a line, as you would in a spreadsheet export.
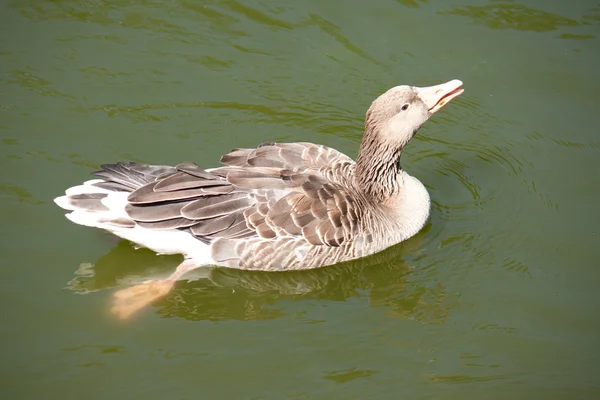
277	207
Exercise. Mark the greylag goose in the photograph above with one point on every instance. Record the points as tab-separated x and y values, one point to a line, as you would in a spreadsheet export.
281	206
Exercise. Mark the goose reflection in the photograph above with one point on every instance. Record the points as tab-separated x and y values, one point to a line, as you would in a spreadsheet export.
219	294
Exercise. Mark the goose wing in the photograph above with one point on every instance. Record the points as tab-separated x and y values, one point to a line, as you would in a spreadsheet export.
272	192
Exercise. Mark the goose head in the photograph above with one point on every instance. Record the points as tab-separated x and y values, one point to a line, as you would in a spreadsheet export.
397	115
391	121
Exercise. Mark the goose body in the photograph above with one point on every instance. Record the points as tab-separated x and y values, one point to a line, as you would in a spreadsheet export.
281	206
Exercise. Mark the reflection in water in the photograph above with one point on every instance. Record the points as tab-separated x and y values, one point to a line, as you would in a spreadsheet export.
469	379
322	118
212	63
573	36
515	265
216	18
593	16
220	23
334	31
102	13
27	79
513	16
254	15
225	294
21	194
411	3
348	375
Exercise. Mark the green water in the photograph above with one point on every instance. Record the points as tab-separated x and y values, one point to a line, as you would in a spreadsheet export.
496	299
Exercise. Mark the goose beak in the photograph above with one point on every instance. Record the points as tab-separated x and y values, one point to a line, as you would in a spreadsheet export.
435	97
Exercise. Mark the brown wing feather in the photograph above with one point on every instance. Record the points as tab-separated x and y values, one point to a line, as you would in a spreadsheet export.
276	191
183	180
292	156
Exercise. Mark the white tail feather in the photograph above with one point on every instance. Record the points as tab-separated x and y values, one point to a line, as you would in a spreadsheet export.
86	188
116	203
63	202
116	221
92	219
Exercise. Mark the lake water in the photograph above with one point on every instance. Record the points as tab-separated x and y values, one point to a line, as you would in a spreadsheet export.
497	298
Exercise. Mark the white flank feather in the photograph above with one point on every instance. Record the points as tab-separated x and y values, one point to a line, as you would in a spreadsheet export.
161	241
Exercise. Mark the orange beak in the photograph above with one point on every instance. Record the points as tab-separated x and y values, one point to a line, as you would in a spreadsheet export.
435	97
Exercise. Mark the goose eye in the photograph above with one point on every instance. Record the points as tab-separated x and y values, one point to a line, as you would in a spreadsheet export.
405	107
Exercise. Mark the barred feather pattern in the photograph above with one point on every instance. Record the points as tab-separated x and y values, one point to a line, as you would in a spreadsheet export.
281	206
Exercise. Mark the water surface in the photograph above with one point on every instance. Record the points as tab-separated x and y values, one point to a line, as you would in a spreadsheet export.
497	298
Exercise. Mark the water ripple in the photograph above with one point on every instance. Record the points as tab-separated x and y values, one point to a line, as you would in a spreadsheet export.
329	120
26	78
513	16
255	15
104	14
334	31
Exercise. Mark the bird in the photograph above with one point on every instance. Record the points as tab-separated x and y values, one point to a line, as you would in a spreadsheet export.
276	207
